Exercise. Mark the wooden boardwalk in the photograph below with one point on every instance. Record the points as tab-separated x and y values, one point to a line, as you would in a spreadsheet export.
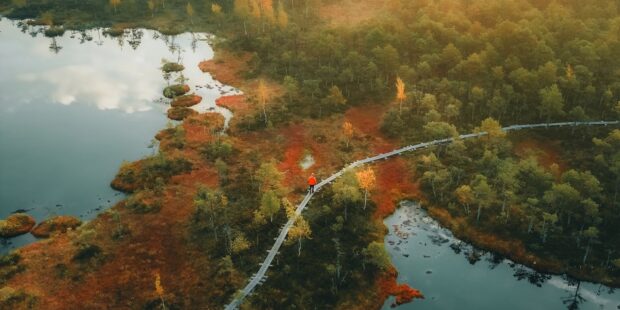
259	277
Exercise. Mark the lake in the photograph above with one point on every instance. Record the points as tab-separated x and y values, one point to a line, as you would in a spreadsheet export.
73	108
429	258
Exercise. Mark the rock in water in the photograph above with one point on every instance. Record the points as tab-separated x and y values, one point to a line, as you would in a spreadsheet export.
16	224
56	224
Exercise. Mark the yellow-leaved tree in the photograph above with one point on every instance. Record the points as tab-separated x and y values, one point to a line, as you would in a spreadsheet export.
465	196
299	231
239	244
347	129
159	290
366	179
216	9
400	93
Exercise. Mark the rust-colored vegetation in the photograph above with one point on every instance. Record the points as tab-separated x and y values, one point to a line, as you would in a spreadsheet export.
16	224
185	101
180	113
388	286
56	224
227	67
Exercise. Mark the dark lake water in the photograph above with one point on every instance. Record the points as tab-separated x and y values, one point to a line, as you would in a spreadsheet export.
428	257
73	108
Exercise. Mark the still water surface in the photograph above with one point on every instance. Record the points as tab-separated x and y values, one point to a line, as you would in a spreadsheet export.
428	257
73	108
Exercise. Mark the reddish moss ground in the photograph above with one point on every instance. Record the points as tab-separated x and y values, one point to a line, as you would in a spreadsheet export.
227	67
186	101
388	286
235	103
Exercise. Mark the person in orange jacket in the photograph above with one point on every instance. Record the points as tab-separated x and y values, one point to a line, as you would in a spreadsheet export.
312	182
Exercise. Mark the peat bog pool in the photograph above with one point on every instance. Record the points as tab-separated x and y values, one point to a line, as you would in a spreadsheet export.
428	257
73	108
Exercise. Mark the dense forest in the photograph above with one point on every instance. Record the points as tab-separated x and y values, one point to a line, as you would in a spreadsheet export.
440	68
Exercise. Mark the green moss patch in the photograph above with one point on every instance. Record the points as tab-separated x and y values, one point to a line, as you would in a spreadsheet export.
172	67
175	90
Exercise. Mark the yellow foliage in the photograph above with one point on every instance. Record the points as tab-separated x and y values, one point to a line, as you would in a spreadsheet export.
464	194
151	4
216	8
299	230
570	73
240	244
492	128
158	288
259	218
289	208
366	179
347	129
400	89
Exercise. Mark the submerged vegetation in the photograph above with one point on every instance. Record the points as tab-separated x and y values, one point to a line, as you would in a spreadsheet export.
206	207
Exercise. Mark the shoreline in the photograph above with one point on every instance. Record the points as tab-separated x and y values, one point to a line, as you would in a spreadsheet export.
483	241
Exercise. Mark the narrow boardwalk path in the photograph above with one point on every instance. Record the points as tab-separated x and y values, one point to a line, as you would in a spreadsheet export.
259	277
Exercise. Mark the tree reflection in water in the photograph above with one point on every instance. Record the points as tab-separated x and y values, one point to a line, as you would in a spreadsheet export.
573	301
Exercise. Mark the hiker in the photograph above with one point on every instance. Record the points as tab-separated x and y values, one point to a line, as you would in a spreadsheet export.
312	182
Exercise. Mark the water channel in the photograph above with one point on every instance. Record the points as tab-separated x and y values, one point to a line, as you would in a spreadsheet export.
428	257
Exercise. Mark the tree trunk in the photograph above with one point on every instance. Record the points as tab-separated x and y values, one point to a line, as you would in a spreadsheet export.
585	256
478	216
365	198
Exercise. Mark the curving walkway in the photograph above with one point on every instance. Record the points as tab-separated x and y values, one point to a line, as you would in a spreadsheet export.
259	277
